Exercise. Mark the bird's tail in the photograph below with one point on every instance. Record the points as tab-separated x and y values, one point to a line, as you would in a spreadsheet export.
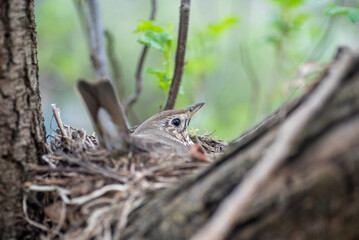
106	113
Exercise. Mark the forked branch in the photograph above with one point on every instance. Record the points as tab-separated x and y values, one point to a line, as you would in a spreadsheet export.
180	55
139	80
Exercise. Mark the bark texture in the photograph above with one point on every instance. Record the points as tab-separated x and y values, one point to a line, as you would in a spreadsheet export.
22	132
314	194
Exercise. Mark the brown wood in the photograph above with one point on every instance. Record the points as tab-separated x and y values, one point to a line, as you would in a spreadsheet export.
22	132
312	195
180	55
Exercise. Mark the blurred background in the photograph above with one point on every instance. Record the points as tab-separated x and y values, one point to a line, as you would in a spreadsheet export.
245	58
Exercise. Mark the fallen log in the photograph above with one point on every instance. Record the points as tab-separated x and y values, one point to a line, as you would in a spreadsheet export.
309	192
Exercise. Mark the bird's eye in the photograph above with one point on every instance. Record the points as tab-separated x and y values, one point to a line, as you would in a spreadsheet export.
176	122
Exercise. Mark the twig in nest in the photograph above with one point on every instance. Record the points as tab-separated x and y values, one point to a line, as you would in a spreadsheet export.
180	54
56	112
62	219
97	193
96	169
47	160
231	208
139	80
27	218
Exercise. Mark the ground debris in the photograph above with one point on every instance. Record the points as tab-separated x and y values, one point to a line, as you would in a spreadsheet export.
87	192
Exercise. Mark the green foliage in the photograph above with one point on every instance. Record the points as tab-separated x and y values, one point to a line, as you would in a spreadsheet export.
351	13
62	40
154	35
287	23
286	27
199	63
164	80
216	29
288	3
146	25
201	56
157	40
161	39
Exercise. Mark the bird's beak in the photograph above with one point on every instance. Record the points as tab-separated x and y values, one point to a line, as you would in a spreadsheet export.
194	108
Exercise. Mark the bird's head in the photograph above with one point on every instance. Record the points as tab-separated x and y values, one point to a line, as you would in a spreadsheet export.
171	124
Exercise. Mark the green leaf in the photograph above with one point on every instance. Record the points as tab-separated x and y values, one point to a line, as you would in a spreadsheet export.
351	13
145	25
298	22
336	10
281	26
272	39
218	28
300	19
156	40
163	80
288	3
294	3
201	65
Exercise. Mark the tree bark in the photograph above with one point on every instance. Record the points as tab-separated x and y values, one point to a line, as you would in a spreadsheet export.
22	131
313	194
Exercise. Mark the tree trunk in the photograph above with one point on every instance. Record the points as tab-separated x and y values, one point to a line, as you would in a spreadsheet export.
22	132
313	194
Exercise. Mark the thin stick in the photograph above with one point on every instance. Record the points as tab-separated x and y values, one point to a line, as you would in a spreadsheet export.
30	221
47	160
180	54
139	80
231	209
62	219
114	64
56	113
91	12
96	169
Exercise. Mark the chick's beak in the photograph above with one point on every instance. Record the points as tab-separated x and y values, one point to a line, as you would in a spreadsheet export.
194	108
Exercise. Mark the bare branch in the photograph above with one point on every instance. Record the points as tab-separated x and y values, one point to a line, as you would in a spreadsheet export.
180	54
230	210
139	80
114	64
90	10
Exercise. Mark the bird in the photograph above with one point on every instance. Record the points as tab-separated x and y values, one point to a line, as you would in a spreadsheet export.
164	133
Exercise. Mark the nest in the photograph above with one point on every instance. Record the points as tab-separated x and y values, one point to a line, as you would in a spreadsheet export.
85	192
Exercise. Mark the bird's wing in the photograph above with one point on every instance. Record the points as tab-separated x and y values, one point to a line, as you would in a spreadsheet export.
158	146
106	113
